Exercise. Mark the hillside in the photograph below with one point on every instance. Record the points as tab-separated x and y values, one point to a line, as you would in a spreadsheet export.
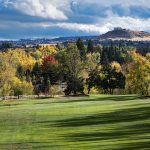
119	33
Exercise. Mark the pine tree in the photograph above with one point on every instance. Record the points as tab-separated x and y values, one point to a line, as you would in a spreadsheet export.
90	48
81	48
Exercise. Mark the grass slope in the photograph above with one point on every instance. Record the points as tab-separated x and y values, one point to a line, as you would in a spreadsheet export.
97	122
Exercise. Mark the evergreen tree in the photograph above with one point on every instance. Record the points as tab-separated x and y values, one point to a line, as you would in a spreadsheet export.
36	69
90	48
81	48
104	58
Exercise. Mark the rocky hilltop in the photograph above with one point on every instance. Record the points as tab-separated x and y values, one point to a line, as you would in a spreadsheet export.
119	33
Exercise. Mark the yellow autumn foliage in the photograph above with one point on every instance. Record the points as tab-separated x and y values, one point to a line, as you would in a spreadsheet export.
93	90
48	49
7	68
23	59
21	87
138	77
115	65
93	61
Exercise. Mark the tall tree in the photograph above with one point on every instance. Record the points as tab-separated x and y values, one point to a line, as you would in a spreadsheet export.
71	65
138	77
81	48
7	72
49	69
90	47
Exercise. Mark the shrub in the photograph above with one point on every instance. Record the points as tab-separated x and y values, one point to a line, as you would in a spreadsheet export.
5	90
93	90
53	90
21	87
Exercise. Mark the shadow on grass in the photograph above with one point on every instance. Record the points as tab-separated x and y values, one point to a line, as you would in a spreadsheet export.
135	146
120	133
9	105
119	116
27	145
124	132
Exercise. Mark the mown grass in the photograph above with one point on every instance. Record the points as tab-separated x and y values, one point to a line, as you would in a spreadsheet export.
98	122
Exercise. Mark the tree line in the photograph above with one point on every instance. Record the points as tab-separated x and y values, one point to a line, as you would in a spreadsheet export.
83	68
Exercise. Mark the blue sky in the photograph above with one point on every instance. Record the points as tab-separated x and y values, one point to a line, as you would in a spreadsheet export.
55	18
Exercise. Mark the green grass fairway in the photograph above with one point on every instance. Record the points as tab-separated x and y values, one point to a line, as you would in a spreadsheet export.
97	122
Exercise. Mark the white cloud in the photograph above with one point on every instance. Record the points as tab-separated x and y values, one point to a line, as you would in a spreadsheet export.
88	28
38	8
102	26
59	9
128	23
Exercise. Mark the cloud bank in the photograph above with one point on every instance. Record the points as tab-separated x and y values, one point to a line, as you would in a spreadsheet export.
84	17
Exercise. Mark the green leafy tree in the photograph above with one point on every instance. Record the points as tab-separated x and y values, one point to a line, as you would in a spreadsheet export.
71	67
93	80
108	79
111	79
75	86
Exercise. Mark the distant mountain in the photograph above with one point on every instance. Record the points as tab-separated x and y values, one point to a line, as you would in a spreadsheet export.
119	33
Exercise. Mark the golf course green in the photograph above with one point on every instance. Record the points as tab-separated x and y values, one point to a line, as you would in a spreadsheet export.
97	122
